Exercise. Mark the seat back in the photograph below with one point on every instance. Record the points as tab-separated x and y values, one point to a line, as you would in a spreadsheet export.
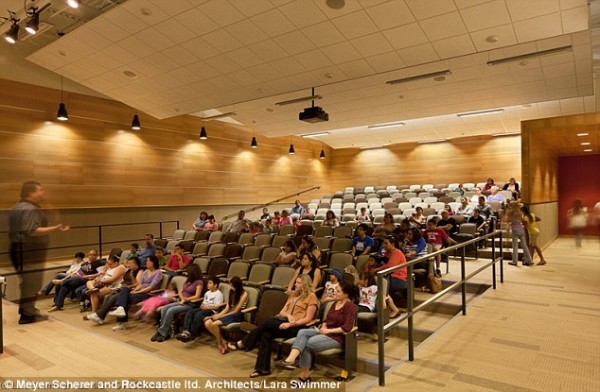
270	254
361	263
201	235
468	228
216	236
246	239
251	252
322	242
282	276
260	273
178	234
323	231
189	235
230	237
218	267
216	250
279	240
340	261
342	232
115	252
287	230
238	268
263	240
232	251
304	230
124	256
201	248
178	281
187	245
171	245
341	245
203	263
271	302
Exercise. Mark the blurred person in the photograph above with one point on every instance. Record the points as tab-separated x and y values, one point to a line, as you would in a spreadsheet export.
578	216
29	238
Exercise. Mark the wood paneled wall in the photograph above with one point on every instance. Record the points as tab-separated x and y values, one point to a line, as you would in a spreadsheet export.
471	159
95	160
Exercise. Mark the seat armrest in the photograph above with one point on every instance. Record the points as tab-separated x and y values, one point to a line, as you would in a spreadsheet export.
313	322
250	309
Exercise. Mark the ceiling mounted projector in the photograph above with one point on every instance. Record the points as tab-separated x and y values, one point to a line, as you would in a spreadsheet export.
313	114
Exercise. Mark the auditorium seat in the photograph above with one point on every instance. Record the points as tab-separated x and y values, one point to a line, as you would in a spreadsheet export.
251	253
238	268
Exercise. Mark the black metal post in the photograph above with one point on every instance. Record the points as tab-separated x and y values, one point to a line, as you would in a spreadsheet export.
160	234
100	241
501	259
1	321
410	305
464	283
494	262
380	330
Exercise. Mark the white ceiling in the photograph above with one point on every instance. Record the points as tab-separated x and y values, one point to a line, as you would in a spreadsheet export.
244	56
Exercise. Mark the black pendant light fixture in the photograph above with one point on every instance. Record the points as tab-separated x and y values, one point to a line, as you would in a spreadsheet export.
203	134
136	125
322	155
292	151
62	114
254	144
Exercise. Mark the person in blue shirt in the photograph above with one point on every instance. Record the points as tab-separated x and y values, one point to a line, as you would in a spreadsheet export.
362	244
147	250
298	209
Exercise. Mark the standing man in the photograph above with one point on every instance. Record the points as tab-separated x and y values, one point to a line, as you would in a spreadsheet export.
29	238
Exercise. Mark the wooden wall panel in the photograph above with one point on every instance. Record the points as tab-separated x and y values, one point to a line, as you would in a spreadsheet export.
94	160
462	160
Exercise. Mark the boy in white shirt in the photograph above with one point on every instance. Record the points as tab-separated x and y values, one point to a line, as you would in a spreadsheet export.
194	318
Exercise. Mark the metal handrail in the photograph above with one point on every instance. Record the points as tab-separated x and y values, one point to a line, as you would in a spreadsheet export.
100	229
380	275
256	207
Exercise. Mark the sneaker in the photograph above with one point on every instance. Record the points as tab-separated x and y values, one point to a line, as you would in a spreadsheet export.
118	312
438	273
54	309
120	327
95	318
511	263
56	281
185	336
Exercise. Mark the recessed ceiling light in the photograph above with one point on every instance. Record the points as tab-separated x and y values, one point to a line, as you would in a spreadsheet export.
270	110
527	105
317	134
523	63
480	113
130	74
583	134
329	75
387	125
439	78
62	53
336	4
146	11
492	38
586	143
588	150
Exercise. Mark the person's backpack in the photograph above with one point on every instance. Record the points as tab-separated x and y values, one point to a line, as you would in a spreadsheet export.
434	282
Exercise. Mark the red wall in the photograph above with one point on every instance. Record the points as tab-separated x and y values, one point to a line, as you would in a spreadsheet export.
578	177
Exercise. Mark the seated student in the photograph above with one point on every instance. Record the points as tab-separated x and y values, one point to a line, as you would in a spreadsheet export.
200	222
489	184
107	281
368	296
308	266
285	218
401	230
160	255
394	257
134	250
178	261
276	218
297	208
330	220
308	245
300	309
460	189
335	277
386	228
231	313
287	254
239	225
75	268
150	280
131	278
362	244
267	228
495	196
211	225
308	214
437	237
464	208
475	197
414	244
363	217
418	219
265	214
448	223
340	320
296	223
255	228
513	186
76	282
194	318
191	291
485	210
480	224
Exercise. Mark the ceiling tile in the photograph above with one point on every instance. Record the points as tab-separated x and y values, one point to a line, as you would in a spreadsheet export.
505	36
108	30
303	13
416	55
200	48
521	10
222	41
427	9
251	8
268	50
246	32
356	68
288	66
176	31
180	55
223	64
294	43
537	28
223	82
405	36
243	78
126	20
567	4
313	60
454	47
147	12
154	39
469	3
173	7
349	7
575	19
355	25
486	15
221	12
244	57
136	46
443	26
203	70
197	22
161	61
341	53
264	72
323	34
386	62
185	76
390	14
273	23
373	44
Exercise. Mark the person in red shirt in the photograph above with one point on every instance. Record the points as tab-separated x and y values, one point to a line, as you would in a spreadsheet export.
437	237
395	257
178	261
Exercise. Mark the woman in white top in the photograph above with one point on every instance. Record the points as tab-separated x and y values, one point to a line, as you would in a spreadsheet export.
330	220
110	279
464	208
